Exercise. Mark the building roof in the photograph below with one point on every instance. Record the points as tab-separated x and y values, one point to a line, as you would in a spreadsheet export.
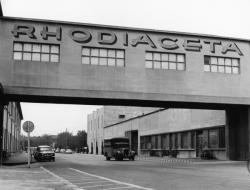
133	29
139	116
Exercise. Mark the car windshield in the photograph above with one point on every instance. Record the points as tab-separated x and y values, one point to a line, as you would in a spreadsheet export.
45	149
121	145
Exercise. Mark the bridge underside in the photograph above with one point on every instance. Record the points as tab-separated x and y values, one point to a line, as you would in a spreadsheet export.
237	116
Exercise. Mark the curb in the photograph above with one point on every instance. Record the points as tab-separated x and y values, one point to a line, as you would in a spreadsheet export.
17	163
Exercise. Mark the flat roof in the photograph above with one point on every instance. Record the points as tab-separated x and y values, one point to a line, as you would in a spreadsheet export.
122	28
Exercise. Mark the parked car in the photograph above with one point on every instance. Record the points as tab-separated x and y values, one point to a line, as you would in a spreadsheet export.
62	150
68	151
57	150
44	152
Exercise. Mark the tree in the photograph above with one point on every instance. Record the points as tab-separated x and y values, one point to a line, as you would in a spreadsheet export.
81	139
64	140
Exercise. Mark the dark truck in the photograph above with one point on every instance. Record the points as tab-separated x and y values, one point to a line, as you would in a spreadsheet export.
118	148
44	153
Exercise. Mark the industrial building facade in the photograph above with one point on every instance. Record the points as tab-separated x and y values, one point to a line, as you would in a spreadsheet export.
188	132
12	117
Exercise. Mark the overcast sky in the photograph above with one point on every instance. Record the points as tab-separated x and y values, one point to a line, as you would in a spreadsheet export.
218	17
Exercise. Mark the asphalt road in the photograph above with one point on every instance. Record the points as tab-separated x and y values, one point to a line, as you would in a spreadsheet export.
91	172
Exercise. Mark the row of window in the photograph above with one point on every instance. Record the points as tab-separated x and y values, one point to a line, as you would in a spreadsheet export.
104	57
116	58
36	52
185	140
169	61
222	65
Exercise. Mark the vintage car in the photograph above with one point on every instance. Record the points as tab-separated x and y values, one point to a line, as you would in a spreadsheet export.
43	153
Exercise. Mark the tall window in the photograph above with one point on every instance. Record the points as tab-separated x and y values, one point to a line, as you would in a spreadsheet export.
153	142
192	139
36	52
165	141
184	140
170	61
221	65
222	142
213	138
103	57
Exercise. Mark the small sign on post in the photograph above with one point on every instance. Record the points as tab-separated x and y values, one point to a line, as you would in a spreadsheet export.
28	127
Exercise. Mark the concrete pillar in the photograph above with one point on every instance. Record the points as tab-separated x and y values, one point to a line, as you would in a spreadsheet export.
179	140
238	133
189	140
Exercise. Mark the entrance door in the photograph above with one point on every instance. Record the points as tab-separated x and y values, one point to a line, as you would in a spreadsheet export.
134	141
199	143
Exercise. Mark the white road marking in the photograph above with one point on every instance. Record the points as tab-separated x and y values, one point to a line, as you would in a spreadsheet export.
98	185
62	180
118	188
115	181
91	182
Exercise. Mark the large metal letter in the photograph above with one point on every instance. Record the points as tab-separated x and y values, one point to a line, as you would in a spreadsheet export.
108	41
231	47
80	35
212	44
192	45
125	39
143	39
24	30
45	33
171	46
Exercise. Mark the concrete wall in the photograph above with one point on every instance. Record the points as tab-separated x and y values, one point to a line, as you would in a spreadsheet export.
11	127
170	120
69	78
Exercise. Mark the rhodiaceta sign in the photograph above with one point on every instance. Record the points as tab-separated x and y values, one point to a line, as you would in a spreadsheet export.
110	38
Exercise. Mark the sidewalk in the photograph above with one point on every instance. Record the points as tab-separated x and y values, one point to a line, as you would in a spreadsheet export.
18	159
34	178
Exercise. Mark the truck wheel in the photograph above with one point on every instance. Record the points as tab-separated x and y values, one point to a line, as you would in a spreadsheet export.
107	158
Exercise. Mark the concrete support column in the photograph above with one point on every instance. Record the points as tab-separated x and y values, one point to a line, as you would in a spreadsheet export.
238	133
189	140
139	144
179	140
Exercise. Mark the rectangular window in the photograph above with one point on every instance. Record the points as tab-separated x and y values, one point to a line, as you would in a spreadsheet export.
153	143
213	138
169	61
143	142
24	51
165	141
221	65
192	139
103	57
222	142
184	140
